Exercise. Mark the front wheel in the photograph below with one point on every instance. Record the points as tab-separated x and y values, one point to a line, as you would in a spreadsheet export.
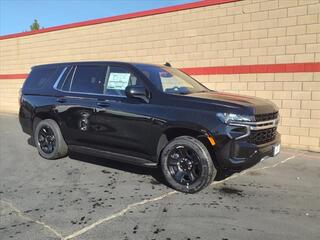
187	165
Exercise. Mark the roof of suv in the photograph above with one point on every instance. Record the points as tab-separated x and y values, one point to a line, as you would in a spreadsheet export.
93	62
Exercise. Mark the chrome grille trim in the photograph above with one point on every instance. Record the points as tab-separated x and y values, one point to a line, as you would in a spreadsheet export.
261	125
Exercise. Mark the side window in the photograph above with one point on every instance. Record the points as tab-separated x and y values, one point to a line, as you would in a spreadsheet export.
117	79
87	79
39	77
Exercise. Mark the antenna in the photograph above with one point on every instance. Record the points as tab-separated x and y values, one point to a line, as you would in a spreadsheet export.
167	64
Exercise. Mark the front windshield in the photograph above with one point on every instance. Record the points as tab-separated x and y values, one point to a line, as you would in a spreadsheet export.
170	80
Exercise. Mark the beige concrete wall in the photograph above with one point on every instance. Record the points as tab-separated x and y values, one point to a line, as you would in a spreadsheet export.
240	33
296	94
9	95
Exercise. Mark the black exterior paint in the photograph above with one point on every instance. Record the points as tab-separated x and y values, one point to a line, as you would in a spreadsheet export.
135	128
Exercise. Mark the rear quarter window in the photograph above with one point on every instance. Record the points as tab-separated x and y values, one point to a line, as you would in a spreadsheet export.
40	77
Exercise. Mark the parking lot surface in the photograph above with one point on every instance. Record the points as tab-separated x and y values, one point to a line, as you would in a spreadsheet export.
83	197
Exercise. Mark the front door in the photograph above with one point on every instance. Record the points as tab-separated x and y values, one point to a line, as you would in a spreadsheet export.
122	123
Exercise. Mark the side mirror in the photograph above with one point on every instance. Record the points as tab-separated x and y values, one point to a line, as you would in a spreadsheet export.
137	92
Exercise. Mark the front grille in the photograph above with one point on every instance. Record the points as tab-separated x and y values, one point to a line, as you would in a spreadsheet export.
262	136
266	117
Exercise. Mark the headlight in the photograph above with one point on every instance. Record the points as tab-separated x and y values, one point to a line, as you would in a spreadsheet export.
232	117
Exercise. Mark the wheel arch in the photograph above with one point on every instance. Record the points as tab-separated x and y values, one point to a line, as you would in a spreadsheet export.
39	116
176	131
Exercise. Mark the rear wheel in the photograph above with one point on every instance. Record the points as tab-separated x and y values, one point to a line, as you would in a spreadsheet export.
49	140
187	164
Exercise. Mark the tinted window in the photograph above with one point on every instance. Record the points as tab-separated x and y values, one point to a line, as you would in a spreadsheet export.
88	79
117	79
39	77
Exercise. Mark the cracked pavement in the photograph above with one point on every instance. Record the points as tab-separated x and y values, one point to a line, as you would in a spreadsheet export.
84	197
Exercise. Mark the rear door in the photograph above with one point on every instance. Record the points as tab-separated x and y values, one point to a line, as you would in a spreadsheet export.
80	88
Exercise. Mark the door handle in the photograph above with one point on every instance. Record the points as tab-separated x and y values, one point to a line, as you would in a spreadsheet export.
61	100
103	104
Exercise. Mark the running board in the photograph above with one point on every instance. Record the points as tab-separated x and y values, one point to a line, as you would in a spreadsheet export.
113	156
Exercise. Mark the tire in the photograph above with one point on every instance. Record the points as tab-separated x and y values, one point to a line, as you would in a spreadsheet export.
187	165
47	133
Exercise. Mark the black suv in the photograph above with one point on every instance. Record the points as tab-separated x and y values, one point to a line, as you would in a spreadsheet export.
149	115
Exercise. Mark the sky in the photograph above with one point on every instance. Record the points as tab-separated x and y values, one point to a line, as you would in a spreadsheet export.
17	15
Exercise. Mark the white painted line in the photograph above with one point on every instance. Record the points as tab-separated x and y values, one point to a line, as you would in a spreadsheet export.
122	212
133	205
30	219
115	215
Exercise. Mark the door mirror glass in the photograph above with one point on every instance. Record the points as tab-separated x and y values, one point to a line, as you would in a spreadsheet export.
137	92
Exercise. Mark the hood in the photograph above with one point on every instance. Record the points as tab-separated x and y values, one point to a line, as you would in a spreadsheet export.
253	105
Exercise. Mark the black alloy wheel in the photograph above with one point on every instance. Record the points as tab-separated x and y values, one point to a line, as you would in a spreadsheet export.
184	165
49	140
46	139
187	164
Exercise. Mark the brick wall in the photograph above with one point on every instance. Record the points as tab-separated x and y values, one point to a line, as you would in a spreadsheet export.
248	32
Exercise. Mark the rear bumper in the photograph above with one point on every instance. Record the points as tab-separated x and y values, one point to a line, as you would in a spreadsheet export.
25	122
239	155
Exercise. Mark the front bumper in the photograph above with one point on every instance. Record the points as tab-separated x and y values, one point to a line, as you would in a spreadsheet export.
237	155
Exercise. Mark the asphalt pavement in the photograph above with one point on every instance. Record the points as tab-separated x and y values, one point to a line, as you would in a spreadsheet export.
87	198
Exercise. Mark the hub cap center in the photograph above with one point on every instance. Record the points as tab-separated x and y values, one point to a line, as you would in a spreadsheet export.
185	164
